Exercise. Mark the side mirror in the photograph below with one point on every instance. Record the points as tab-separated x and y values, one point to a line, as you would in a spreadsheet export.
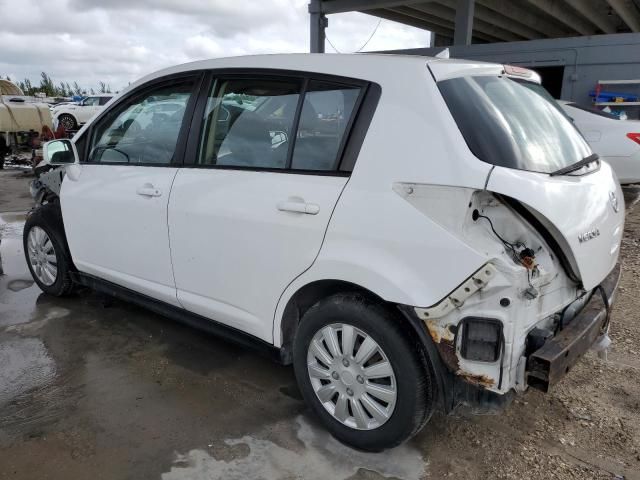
60	152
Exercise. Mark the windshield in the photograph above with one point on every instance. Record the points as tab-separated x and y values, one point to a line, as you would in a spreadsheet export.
505	123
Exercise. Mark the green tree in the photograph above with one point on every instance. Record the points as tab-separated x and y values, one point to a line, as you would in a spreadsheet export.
26	87
46	85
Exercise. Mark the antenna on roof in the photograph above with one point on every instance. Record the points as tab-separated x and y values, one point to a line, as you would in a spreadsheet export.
443	54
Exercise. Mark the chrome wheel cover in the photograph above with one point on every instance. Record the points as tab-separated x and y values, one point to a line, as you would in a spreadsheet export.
67	122
352	376
42	256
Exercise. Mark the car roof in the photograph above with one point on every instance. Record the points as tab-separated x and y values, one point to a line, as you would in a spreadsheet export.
366	66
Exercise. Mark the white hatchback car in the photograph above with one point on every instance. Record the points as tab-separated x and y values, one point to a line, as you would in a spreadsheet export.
72	115
411	233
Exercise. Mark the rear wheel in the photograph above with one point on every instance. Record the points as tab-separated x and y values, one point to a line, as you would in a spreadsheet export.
359	371
67	121
46	254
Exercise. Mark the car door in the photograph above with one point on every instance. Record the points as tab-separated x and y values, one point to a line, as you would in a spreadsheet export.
87	109
249	210
115	212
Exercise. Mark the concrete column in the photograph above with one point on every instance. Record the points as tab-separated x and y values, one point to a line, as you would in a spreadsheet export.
318	24
464	22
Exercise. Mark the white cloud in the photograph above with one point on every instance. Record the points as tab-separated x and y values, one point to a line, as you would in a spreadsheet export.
118	41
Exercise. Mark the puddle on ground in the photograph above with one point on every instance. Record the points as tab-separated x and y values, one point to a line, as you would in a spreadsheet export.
12	260
16	285
26	365
322	457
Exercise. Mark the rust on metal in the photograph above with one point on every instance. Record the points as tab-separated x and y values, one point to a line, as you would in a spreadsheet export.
438	332
443	338
481	380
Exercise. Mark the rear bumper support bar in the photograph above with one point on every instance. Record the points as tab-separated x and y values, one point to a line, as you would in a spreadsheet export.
547	365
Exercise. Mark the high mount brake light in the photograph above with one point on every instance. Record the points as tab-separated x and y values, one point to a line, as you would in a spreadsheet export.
517	71
634	136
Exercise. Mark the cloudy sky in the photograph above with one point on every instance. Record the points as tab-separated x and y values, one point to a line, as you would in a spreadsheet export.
118	41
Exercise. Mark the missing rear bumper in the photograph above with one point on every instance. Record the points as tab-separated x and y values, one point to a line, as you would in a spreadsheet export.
553	360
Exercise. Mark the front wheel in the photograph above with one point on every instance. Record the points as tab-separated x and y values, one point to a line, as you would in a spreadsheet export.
45	252
361	374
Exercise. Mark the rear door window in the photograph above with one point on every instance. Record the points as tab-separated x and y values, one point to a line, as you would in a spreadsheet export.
506	124
293	124
249	123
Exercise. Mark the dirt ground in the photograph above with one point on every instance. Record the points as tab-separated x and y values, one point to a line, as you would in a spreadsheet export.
96	389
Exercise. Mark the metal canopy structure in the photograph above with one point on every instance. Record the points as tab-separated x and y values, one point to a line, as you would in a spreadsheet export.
463	22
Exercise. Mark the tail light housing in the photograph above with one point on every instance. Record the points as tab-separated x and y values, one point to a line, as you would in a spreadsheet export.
635	137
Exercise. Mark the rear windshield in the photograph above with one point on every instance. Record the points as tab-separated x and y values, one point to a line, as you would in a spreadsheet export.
509	125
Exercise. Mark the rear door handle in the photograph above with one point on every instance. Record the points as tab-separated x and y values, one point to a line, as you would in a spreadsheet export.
299	207
148	190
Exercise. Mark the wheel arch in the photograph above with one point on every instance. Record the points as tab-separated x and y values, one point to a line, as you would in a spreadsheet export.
51	213
307	295
303	299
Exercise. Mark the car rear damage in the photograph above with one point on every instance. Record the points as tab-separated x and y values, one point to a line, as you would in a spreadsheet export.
525	317
550	237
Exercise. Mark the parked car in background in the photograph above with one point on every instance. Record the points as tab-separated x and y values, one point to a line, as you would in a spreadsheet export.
410	233
73	115
616	141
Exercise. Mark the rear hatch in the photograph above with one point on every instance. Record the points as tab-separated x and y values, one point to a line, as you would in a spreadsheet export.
540	160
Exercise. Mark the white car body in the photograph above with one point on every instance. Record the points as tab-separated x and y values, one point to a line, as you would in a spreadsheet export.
243	246
84	110
616	141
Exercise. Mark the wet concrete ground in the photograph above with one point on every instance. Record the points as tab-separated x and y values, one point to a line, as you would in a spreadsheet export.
97	389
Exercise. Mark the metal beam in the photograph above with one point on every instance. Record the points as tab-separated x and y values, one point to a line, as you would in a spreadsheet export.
464	22
519	14
484	14
413	21
588	10
627	12
342	6
479	26
565	15
317	25
443	20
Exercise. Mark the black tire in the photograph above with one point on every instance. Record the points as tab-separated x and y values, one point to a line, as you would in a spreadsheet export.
67	121
414	381
49	218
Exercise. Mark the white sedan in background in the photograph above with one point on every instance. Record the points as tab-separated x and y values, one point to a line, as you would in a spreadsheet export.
616	141
73	115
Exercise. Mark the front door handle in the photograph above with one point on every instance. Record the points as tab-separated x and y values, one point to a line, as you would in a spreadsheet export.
148	190
299	207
